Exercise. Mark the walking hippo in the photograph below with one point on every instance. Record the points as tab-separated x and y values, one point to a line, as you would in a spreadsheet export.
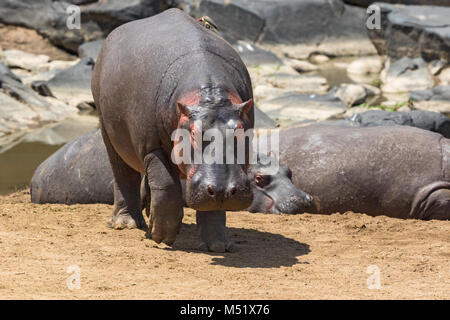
398	171
154	76
80	172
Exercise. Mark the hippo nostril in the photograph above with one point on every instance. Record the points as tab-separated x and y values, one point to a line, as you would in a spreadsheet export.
210	191
233	191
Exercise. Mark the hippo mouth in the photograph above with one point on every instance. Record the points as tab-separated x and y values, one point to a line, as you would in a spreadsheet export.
269	204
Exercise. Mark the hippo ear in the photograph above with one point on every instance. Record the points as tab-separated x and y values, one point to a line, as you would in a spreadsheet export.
245	107
182	110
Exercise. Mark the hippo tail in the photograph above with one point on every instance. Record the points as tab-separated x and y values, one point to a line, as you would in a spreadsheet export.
432	202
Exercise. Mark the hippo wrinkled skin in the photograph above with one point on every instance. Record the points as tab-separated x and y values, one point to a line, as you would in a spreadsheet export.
154	76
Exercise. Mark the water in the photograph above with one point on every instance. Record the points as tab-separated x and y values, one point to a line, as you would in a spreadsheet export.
19	161
18	164
335	71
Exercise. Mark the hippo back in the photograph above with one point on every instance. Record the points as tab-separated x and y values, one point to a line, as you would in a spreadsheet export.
79	172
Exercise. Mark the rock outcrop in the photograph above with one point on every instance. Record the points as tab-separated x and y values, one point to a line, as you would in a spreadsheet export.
413	31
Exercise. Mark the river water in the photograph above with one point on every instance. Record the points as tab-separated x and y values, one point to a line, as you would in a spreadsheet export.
18	162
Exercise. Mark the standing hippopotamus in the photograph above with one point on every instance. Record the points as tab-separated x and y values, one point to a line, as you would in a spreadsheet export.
401	172
152	77
79	172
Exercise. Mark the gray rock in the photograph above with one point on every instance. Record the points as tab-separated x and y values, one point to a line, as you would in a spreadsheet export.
109	14
73	85
444	76
441	93
413	31
366	66
24	60
317	20
436	66
252	55
436	99
235	20
45	16
21	109
283	21
4	71
406	75
299	83
15	116
366	3
353	94
49	18
90	49
301	107
301	66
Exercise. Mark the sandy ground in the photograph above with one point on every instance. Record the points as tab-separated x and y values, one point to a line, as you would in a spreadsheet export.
279	257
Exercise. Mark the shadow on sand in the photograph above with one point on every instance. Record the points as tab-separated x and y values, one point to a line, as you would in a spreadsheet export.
256	249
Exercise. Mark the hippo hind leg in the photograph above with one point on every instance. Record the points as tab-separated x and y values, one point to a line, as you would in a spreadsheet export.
440	205
432	202
127	212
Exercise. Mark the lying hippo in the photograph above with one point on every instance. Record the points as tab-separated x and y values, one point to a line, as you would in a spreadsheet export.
152	77
427	120
398	171
79	172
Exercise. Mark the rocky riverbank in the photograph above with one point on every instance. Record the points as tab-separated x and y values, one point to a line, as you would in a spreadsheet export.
309	60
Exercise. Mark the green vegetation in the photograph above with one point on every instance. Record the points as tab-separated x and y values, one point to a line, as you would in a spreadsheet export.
395	107
376	83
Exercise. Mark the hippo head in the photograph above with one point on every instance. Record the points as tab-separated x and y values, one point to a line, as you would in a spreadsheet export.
216	164
275	193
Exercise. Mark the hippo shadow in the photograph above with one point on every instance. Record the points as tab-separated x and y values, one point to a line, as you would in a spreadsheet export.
256	249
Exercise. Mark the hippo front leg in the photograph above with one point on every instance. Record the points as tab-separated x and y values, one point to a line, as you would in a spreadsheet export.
212	231
166	204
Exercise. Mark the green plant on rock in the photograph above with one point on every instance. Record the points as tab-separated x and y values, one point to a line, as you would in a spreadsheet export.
392	108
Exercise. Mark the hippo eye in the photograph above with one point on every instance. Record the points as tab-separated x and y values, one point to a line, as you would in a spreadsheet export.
262	181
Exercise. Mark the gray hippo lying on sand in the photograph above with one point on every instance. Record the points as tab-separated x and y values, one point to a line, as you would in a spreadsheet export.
398	171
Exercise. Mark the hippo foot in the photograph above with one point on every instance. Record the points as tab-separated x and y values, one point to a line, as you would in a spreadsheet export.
217	246
158	237
212	232
125	221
